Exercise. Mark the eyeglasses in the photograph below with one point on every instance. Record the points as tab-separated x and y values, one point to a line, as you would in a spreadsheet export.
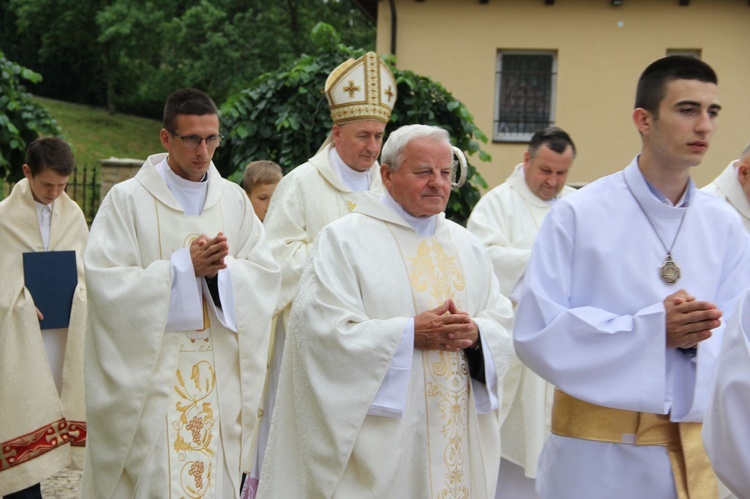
194	141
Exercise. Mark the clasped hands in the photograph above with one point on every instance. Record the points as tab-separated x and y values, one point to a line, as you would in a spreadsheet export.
445	328
208	254
689	321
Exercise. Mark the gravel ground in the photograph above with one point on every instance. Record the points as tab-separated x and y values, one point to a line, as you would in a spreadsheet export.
63	485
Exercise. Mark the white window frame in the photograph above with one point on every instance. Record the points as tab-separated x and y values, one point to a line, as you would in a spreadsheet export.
500	135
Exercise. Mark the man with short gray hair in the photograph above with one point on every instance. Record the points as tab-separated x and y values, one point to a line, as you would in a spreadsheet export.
397	343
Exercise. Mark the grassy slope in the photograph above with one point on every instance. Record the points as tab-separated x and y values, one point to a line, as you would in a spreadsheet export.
96	135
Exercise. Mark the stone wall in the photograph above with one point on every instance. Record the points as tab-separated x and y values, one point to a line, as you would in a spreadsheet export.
115	170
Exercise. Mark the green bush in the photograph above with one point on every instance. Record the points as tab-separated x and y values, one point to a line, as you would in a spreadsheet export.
21	119
283	116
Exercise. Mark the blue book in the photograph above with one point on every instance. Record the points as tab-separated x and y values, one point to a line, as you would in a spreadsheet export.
51	278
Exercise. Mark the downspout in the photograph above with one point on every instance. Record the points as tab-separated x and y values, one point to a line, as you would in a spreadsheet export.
393	26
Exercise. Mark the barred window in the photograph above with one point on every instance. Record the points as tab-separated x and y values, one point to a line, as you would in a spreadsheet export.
525	94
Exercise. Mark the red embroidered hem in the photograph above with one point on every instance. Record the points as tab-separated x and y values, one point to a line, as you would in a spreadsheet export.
40	441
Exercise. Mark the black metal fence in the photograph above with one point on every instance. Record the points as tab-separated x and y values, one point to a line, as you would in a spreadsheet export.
84	187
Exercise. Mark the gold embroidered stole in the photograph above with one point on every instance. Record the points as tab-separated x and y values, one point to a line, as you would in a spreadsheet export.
192	417
693	476
435	275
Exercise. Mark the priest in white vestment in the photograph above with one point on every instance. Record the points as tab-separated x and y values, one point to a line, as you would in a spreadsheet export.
726	430
621	306
361	94
182	287
733	186
42	423
506	220
398	341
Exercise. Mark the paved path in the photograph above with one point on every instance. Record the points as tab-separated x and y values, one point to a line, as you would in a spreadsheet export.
64	485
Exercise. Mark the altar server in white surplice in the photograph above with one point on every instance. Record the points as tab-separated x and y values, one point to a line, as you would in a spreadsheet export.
181	287
361	94
507	220
621	303
42	423
733	186
726	431
398	341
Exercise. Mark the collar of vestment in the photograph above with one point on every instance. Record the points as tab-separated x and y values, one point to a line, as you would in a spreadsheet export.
26	220
322	162
191	195
518	182
372	205
150	178
355	180
728	183
647	199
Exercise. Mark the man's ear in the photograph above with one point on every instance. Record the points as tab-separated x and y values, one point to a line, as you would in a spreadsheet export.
743	173
336	133
27	171
642	120
526	158
385	175
164	138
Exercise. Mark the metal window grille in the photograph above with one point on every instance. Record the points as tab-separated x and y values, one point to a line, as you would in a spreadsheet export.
526	85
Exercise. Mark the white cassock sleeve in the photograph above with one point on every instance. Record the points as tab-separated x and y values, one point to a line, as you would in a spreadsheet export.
485	395
571	346
390	401
185	310
726	430
602	339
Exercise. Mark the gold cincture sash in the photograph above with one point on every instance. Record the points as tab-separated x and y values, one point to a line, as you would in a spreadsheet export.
693	476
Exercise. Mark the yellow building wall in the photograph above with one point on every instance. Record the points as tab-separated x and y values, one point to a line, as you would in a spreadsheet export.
601	51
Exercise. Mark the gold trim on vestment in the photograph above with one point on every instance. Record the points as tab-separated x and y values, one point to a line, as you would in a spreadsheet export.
435	275
693	476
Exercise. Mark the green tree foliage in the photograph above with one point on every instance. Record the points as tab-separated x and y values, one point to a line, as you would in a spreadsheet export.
283	116
21	119
130	54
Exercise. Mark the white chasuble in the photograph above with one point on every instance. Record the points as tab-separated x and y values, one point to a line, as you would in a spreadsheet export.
368	275
435	275
193	413
315	193
154	432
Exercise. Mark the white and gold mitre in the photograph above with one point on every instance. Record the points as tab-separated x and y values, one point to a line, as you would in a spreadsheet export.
361	90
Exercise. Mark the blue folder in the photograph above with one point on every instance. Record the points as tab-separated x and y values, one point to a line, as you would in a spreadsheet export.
51	278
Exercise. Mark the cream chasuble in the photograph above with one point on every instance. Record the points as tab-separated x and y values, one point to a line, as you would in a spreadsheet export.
306	200
172	413
368	275
41	431
727	187
507	220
